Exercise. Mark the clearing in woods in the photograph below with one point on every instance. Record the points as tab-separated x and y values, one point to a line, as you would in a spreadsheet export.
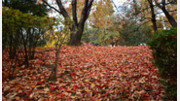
87	73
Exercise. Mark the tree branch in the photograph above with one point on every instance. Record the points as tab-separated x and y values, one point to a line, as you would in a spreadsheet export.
51	6
86	10
90	3
74	11
62	9
115	5
157	4
89	8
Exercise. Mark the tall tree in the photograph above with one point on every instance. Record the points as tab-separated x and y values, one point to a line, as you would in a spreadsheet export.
162	6
153	15
76	27
102	18
145	10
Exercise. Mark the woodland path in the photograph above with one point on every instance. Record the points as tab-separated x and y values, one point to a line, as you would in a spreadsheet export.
92	73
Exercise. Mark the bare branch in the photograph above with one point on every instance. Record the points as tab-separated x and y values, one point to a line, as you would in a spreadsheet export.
115	5
51	6
62	9
157	4
90	3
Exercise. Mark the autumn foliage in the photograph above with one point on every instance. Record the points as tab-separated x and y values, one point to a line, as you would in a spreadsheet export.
86	73
38	64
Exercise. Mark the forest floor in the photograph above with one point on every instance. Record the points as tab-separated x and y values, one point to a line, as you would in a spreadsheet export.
90	73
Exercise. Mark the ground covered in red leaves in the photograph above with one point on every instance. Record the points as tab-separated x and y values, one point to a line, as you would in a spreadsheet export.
87	73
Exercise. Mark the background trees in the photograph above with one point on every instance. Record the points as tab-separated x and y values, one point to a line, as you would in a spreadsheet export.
27	6
162	6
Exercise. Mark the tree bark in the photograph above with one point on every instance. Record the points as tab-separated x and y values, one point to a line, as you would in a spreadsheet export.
153	15
171	20
76	35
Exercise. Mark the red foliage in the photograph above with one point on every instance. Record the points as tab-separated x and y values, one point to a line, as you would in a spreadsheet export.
87	73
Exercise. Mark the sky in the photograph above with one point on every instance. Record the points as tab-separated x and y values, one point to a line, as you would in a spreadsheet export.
116	2
119	2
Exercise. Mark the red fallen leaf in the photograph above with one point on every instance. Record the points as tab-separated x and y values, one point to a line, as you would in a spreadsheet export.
92	99
121	90
26	99
101	86
145	98
39	83
69	99
145	74
28	94
105	94
49	94
59	97
62	94
72	74
52	88
75	87
52	99
67	90
95	91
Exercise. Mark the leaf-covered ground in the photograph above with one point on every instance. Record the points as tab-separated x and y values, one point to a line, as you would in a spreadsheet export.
87	73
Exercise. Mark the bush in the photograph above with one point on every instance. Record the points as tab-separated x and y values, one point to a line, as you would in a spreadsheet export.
164	51
22	30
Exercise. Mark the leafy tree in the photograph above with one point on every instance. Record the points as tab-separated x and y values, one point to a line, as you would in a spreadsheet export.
75	26
27	6
145	11
101	19
134	34
131	28
23	30
59	38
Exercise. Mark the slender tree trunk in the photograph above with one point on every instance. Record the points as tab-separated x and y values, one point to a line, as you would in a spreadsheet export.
153	15
26	56
12	68
26	52
171	20
53	74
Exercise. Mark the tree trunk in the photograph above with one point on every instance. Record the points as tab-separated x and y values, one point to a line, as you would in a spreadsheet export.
26	57
76	35
153	19
53	75
75	38
171	20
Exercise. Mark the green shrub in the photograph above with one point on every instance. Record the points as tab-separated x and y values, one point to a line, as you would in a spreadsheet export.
22	31
164	51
